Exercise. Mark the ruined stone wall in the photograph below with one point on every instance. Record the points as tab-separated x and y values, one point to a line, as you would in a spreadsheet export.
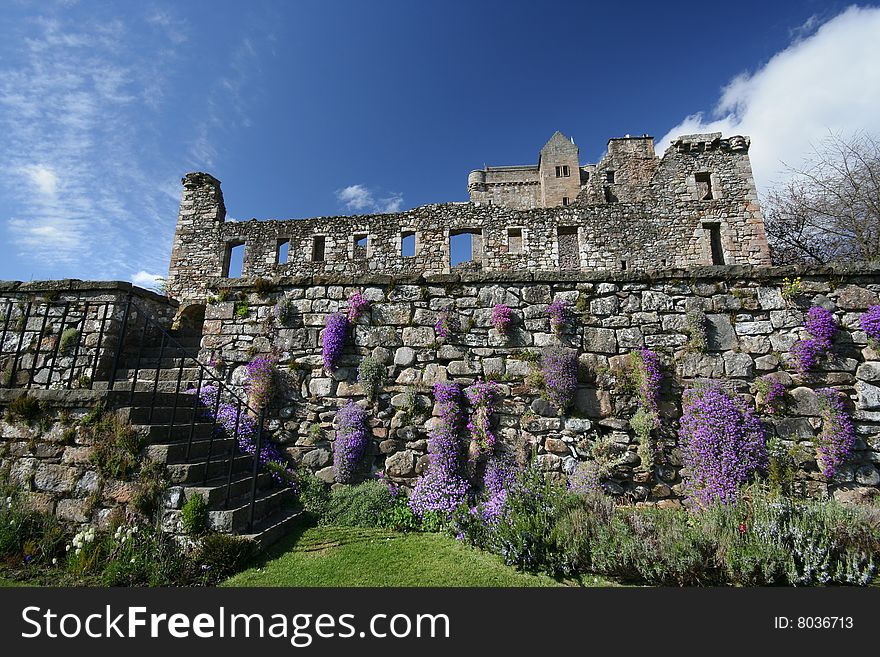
671	231
34	316
750	329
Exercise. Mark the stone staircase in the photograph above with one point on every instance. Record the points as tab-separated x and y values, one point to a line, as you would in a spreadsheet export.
208	463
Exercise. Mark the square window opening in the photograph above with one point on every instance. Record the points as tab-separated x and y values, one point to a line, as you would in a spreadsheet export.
318	248
360	246
408	244
609	177
282	252
713	232
514	240
233	260
704	186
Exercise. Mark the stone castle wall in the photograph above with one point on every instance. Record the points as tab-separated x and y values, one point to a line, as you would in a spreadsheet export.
750	329
662	217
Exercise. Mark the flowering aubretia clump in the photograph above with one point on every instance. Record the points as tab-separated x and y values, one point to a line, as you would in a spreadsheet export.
260	381
835	441
335	333
722	442
498	478
481	397
559	367
501	317
557	311
870	323
772	391
236	423
821	326
584	480
446	324
357	304
442	488
646	368
351	441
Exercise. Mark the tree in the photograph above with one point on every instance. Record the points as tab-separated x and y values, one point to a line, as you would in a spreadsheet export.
829	210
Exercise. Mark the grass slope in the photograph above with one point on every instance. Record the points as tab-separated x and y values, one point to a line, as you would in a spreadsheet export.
347	556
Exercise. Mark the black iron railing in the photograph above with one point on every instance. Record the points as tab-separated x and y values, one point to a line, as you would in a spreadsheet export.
108	345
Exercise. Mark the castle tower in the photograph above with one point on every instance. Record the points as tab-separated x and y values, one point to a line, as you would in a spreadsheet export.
198	250
559	171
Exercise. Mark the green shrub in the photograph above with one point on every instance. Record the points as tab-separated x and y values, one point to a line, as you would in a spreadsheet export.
194	515
357	506
25	409
116	445
222	555
399	517
68	340
775	540
241	309
370	375
141	555
27	536
313	493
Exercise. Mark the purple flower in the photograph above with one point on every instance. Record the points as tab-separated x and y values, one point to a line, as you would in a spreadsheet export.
773	391
557	312
870	323
234	422
649	376
722	443
559	367
351	441
260	380
501	317
333	339
481	397
442	487
835	441
585	479
357	304
821	326
446	324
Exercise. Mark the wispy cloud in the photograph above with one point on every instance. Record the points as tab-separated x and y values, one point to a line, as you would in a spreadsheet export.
827	80
82	200
361	199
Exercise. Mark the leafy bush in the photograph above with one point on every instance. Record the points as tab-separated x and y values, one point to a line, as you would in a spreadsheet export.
140	555
116	445
399	516
29	537
357	506
263	287
222	555
313	493
194	515
25	409
370	375
774	540
68	340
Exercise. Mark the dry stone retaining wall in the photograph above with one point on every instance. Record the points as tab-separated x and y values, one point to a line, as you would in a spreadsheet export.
750	328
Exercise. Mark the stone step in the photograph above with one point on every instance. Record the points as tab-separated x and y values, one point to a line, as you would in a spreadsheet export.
235	519
190	372
178	433
194	473
214	492
183	452
275	527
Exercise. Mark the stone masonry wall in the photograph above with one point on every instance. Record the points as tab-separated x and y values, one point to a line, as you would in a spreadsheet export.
659	216
750	326
30	353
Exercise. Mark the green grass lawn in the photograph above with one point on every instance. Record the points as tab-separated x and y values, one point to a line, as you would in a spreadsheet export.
347	556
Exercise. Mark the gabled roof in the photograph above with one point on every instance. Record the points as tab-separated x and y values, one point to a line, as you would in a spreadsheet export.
559	139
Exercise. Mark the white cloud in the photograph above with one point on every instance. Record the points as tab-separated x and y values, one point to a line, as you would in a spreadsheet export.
359	198
147	280
43	178
826	82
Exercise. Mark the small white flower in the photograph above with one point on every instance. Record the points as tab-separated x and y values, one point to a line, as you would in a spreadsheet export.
67	548
78	550
55	561
132	560
134	530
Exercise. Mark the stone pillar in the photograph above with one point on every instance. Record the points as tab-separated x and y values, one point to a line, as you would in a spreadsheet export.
198	250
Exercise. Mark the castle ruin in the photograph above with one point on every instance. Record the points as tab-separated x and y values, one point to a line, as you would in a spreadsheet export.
695	205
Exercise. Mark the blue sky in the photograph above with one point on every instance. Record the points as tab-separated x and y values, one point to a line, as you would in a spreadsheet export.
324	108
